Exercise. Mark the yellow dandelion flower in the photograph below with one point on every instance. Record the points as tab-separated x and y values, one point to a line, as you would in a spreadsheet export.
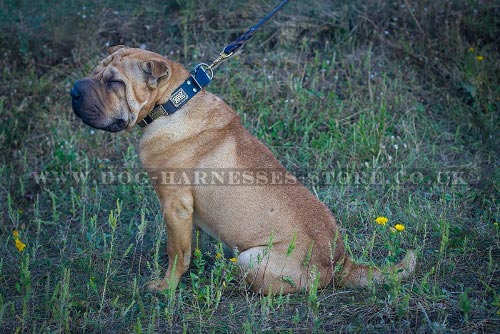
399	227
233	260
479	58
197	252
20	245
496	223
218	256
15	234
381	220
471	49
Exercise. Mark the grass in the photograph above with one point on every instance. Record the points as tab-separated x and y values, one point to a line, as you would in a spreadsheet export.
381	108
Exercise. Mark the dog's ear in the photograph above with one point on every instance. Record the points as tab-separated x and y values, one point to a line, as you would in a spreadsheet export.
157	68
112	49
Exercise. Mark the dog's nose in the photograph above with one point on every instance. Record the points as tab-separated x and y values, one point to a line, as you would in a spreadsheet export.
75	93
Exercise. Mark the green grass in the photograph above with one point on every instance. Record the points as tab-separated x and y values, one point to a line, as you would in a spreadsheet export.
335	89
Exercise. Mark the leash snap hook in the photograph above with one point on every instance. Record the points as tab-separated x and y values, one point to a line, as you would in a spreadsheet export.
220	58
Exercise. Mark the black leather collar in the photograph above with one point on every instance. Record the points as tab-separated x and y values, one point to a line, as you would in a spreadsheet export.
198	79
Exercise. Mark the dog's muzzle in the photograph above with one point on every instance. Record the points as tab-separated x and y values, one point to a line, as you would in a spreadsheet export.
76	99
89	109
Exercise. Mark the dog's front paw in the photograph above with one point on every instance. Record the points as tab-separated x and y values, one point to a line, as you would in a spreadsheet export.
158	285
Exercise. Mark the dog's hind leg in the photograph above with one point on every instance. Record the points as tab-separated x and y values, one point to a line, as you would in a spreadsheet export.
271	271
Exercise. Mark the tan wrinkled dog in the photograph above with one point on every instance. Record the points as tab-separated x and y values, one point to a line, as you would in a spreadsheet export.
285	236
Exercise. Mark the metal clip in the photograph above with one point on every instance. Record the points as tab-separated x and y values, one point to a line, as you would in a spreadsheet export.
222	56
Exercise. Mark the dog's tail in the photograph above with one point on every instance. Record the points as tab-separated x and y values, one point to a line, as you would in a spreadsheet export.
354	274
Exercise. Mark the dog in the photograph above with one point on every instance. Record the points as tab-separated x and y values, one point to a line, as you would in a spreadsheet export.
286	238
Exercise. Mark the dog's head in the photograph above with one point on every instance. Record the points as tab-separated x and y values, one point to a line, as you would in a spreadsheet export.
122	89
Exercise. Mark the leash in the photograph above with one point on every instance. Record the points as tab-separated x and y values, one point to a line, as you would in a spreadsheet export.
202	74
234	46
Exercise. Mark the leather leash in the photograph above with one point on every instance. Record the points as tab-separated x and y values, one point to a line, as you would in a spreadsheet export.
202	74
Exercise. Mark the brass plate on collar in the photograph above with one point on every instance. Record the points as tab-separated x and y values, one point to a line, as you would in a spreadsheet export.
179	97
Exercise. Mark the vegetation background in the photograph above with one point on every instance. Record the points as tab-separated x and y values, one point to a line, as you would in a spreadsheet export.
330	86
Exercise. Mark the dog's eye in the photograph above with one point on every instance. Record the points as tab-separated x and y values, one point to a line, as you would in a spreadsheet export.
111	83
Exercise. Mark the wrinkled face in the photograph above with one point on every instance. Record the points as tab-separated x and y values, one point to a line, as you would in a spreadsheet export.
122	88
